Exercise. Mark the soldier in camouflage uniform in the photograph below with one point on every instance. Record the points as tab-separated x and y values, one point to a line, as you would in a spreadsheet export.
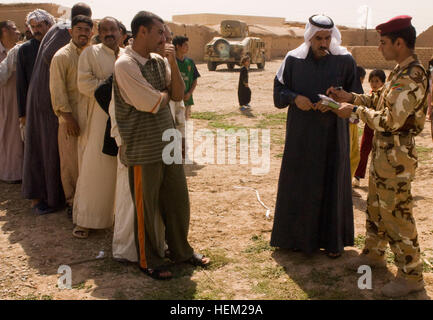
399	117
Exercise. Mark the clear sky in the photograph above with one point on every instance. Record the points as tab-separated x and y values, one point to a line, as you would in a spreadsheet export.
349	12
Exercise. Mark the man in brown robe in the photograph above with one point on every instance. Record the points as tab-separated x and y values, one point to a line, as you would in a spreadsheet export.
41	171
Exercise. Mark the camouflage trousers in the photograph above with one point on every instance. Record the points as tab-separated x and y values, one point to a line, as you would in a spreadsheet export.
389	216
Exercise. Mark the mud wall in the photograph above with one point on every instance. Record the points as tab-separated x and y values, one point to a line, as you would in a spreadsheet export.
425	39
211	19
371	58
358	37
198	37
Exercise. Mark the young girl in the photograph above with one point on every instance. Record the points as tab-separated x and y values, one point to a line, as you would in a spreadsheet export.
353	131
377	79
244	92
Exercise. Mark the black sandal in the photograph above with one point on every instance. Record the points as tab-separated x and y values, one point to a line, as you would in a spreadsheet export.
197	260
156	273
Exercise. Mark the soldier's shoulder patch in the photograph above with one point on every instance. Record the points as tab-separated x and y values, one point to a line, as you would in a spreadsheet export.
417	74
397	87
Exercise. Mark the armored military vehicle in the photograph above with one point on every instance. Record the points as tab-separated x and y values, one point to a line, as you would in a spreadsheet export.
233	44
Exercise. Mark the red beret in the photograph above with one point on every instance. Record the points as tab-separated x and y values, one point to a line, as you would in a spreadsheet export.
395	24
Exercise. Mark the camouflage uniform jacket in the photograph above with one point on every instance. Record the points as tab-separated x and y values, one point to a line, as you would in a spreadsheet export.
399	116
375	96
402	106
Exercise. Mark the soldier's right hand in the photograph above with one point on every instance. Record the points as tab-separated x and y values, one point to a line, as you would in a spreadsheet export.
303	103
339	95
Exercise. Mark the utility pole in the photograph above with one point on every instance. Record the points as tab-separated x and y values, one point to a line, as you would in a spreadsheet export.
366	26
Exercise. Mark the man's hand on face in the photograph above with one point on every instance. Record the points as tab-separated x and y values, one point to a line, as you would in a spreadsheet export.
170	53
339	95
345	111
303	103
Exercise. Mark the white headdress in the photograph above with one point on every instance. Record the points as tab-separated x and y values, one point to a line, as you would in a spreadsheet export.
40	15
315	24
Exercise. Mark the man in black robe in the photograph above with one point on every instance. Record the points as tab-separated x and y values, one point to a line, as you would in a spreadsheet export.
41	172
314	203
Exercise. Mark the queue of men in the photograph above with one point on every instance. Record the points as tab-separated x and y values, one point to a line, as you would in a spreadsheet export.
61	157
87	124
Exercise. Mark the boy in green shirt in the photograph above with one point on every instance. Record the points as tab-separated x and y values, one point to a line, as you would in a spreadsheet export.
188	71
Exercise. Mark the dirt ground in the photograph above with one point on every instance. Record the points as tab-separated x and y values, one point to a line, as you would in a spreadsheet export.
228	224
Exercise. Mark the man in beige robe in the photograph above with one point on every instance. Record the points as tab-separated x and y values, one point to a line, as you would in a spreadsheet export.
94	195
64	98
11	145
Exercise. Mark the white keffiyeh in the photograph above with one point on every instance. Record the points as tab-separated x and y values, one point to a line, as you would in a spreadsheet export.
301	52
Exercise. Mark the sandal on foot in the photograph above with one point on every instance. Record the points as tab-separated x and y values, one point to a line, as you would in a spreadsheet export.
197	260
81	233
157	273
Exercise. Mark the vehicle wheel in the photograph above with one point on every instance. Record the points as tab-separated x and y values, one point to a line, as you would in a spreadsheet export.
230	66
261	66
211	66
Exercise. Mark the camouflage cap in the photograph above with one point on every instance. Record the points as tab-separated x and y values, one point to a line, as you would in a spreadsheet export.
395	24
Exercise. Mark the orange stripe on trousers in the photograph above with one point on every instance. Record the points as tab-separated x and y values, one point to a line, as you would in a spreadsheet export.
138	190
